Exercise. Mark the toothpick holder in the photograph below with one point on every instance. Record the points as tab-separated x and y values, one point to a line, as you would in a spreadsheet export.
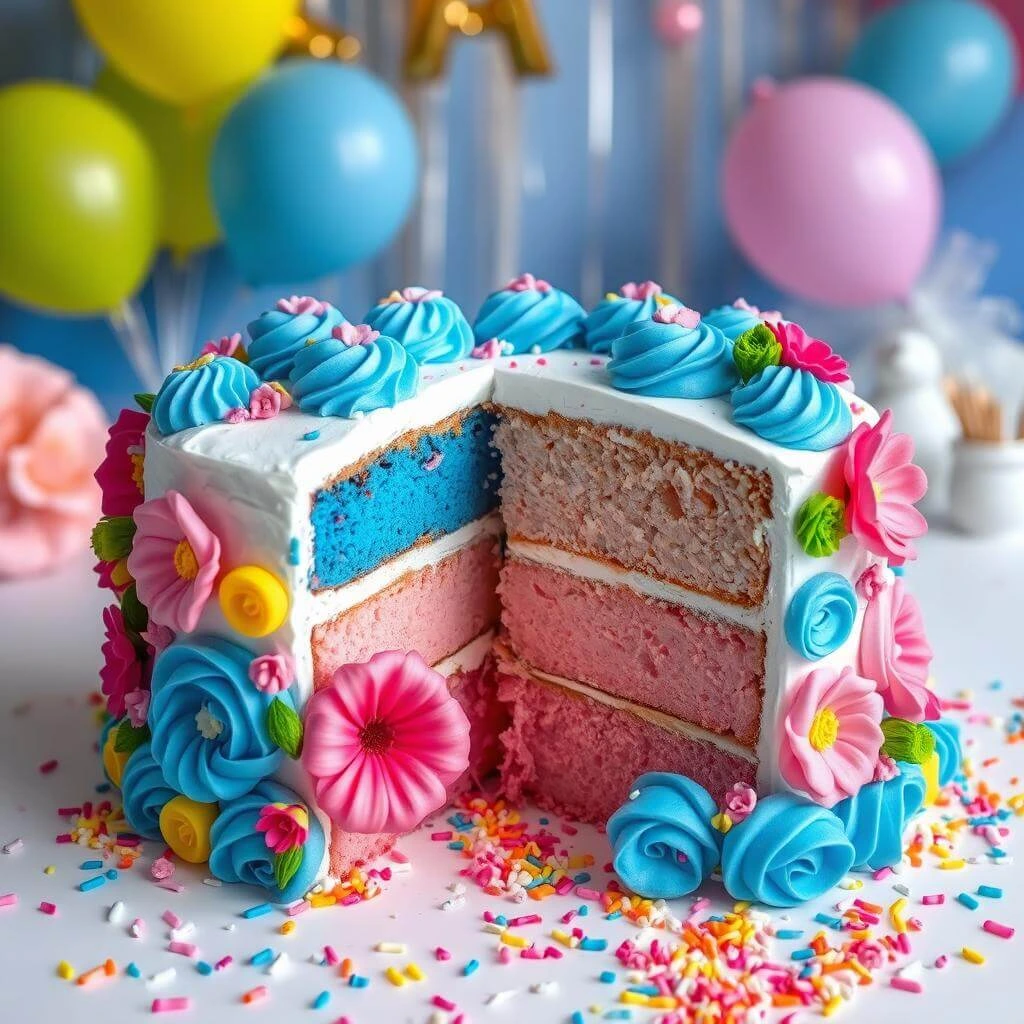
987	487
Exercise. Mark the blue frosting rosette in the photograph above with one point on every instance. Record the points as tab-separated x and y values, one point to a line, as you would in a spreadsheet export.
204	391
947	746
732	321
529	315
793	408
279	334
820	615
875	817
144	791
663	841
209	722
430	327
789	850
609	319
239	853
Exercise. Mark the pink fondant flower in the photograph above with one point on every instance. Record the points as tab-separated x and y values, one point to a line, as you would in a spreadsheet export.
383	742
137	704
894	652
831	734
873	579
121	673
355	334
673	314
158	637
883	485
885	770
284	826
299	304
264	402
415	294
769	316
229	345
237	415
120	473
175	559
272	673
527	283
161	869
802	352
493	348
640	292
739	802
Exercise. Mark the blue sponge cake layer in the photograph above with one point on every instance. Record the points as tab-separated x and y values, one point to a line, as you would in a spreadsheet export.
428	483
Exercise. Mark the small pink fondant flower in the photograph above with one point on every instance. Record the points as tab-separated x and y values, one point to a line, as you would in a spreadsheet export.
883	485
831	734
527	283
175	559
264	402
416	294
161	869
137	704
885	770
640	292
113	576
120	473
299	304
802	352
229	345
739	802
158	637
383	742
894	652
355	334
237	415
284	826
272	673
490	349
673	314
873	579
121	673
769	316
870	953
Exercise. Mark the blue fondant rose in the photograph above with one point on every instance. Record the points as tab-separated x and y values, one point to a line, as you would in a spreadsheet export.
239	853
279	334
820	615
209	722
788	851
430	327
874	819
662	838
947	746
530	315
144	791
202	392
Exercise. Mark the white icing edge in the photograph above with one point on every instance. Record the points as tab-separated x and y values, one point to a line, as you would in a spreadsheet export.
469	657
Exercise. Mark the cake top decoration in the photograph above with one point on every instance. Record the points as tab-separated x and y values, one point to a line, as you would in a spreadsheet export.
431	327
278	334
527	283
353	334
676	314
617	310
803	352
531	315
201	392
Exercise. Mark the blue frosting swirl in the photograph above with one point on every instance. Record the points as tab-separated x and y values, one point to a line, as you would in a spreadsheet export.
239	853
664	844
732	322
609	319
144	791
947	746
672	361
788	851
331	378
202	392
277	337
875	817
820	615
792	408
530	319
431	330
212	675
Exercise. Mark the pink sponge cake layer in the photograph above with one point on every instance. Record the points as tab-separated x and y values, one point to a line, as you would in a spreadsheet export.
664	656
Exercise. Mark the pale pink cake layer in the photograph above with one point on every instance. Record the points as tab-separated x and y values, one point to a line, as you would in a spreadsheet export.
637	501
703	670
580	758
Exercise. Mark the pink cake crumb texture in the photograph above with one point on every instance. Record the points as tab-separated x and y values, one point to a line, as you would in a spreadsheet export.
664	656
626	497
577	757
435	611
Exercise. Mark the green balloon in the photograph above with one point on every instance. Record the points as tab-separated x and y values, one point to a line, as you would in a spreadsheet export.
79	201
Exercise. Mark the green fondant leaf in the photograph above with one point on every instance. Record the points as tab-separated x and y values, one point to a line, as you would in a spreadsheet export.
286	865
128	738
112	538
136	618
144	400
907	741
284	727
821	525
755	349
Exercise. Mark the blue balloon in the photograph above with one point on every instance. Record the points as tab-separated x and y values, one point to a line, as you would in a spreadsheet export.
951	65
313	171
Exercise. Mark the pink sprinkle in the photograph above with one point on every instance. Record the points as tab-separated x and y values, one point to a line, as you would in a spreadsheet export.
68	812
515	922
48	766
541	361
172	1004
587	894
551	953
882	873
441	837
1004	931
226	961
64	838
934	900
171	919
567	916
299	907
903	942
443	1004
51	908
330	956
906	984
941	961
564	885
398	857
488	916
171	886
9	899
442	954
161	868
188	949
504	955
352	897
531	953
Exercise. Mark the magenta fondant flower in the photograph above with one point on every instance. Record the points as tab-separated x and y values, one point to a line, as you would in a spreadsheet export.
894	652
299	304
174	561
673	314
831	734
113	576
640	291
121	673
527	283
120	473
137	704
883	485
802	352
284	826
739	802
272	673
355	334
229	345
383	742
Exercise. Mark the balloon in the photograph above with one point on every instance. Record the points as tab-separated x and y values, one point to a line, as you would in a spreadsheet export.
80	207
313	171
950	65
187	51
1012	13
181	141
831	193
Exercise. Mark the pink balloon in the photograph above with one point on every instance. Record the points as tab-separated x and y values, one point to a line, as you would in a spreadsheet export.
831	193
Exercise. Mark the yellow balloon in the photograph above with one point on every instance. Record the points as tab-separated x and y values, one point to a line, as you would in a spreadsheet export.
181	140
187	51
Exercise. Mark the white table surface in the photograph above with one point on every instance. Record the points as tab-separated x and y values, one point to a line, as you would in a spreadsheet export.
49	637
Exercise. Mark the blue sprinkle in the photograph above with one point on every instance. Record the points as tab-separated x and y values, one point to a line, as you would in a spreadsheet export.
832	922
996	684
92	883
203	967
262	958
808	971
577	1018
991	891
620	1014
322	1000
91	865
996	854
967	900
104	787
535	861
644	990
607	977
802	954
470	968
502	920
583	910
594	945
455	845
582	878
899	570
789	933
358	981
293	551
133	971
311	436
613	916
112	874
543	821
258	911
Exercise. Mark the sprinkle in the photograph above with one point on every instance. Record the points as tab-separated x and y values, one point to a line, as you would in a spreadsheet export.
322	1000
789	933
967	900
497	998
934	900
13	846
358	981
470	968
223	962
48	766
204	968
395	976
389	947
293	551
172	1004
48	908
262	958
65	971
972	956
311	436
905	984
991	891
90	865
132	970
92	883
171	919
442	954
594	945
443	1004
414	972
164	976
607	977
518	941
188	949
137	928
258	911
953	865
1004	931
116	912
255	995
287	928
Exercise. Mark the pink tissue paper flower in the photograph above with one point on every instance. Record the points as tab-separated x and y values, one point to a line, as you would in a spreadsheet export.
739	802
883	485
527	283
299	304
640	291
673	314
120	473
52	436
121	673
831	734
355	334
272	673
383	742
226	346
769	316
137	703
802	352
284	826
894	652
174	561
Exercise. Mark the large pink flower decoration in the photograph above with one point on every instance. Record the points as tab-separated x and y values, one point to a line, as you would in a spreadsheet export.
121	674
803	352
831	734
174	561
120	473
383	742
883	486
284	826
894	652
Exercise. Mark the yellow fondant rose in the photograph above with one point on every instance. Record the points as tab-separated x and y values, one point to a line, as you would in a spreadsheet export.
253	600
185	825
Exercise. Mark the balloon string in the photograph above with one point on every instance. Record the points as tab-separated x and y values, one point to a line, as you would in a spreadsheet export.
130	327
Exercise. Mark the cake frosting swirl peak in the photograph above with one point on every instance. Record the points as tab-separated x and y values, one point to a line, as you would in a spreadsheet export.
430	326
609	319
530	315
278	334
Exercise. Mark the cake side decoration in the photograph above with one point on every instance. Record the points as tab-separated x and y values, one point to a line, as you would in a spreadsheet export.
820	616
144	792
121	673
609	319
530	315
272	673
754	351
912	742
277	336
203	391
185	827
947	748
430	326
254	600
120	473
285	828
733	320
802	352
674	354
820	525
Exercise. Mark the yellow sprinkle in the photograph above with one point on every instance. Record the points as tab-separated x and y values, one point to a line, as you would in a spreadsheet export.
634	998
972	956
662	1002
831	1006
415	972
740	906
49	869
896	915
287	928
394	975
563	937
519	941
939	851
953	865
322	900
65	970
